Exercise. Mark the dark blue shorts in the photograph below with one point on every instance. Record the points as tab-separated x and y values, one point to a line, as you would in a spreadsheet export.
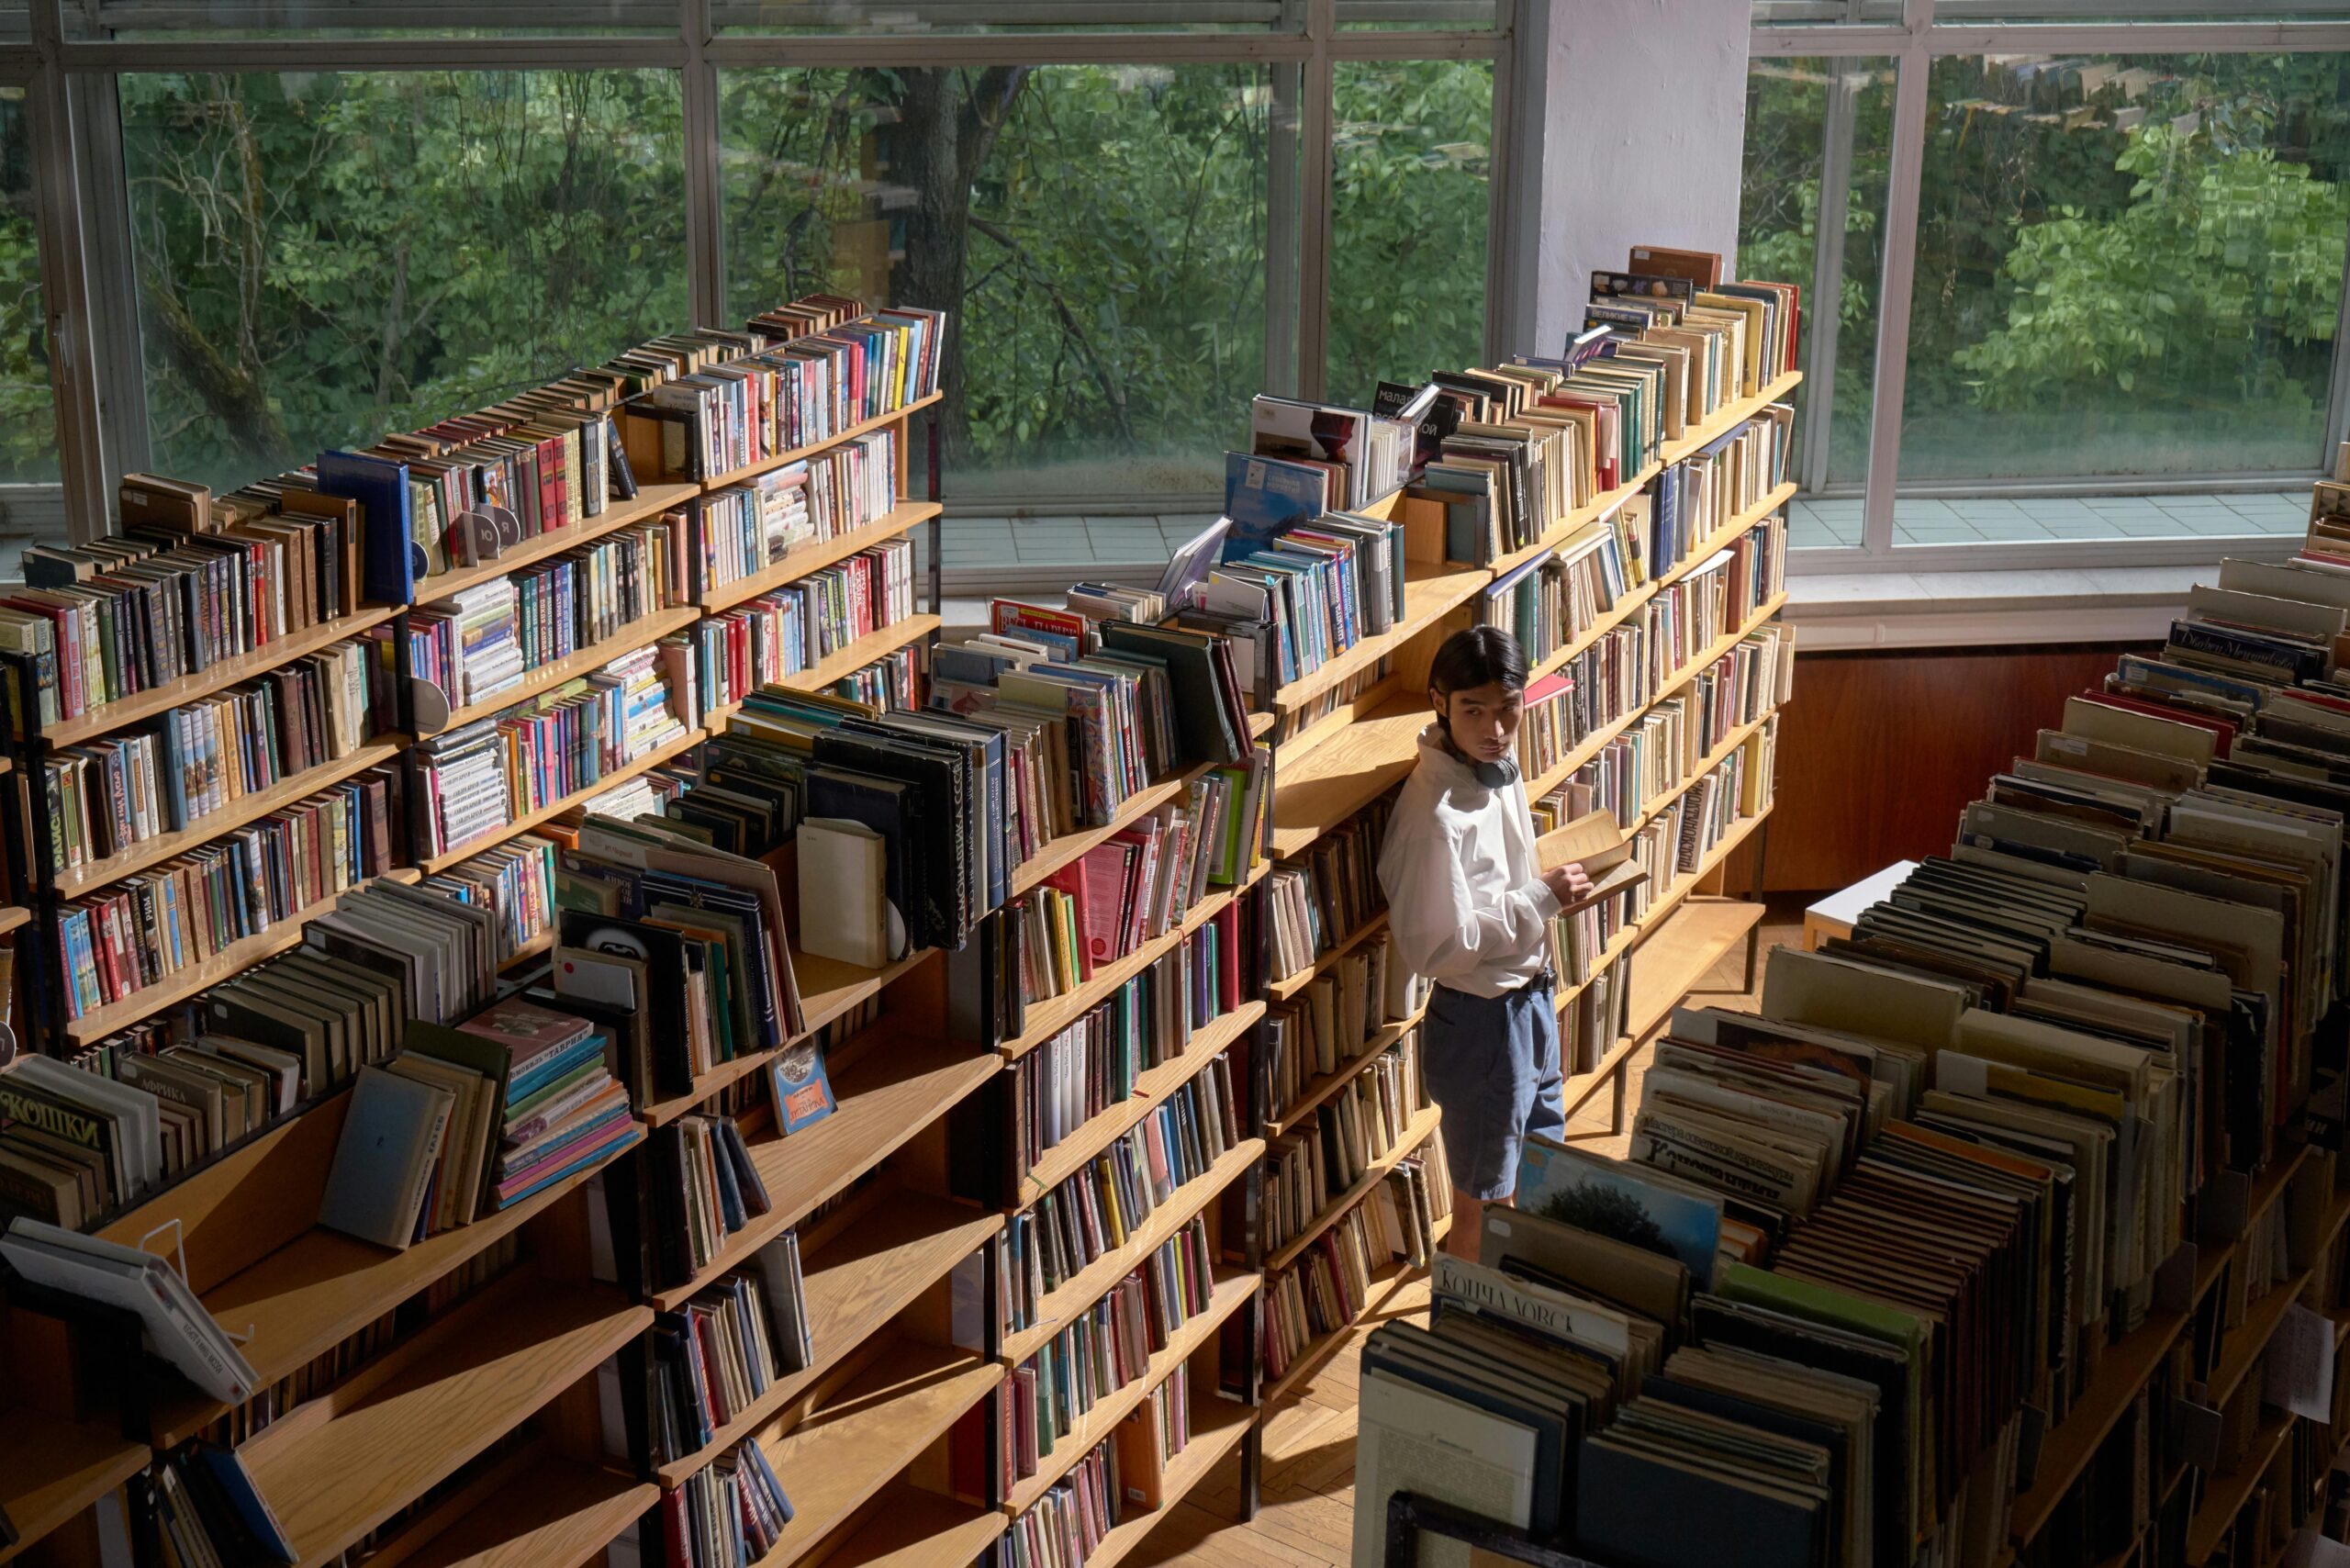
1493	1065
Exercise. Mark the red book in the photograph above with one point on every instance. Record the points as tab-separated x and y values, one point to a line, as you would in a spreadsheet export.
527	1030
2224	730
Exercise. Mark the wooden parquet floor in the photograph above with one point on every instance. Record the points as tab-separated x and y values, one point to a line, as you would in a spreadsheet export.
1307	1504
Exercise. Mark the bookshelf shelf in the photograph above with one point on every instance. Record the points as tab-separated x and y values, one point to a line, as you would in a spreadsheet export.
1660	911
12	916
1083	1288
828	989
1289	986
183	983
1329	1084
817	557
1232	1288
1072	846
341	1465
1726	418
864	427
857	1278
1615	615
554	809
651	500
1693	939
1218	1427
545	678
1347	772
909	1526
235	815
322	1287
1727	534
2228	1490
1399	1288
558	1514
214	677
888	1096
1432	589
1415	1133
51	1469
538	947
1075	1152
1043	1020
873	645
866	1433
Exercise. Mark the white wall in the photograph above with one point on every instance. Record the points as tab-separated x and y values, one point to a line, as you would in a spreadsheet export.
1633	117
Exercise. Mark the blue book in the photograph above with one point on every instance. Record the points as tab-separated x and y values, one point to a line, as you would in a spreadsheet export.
391	561
1266	497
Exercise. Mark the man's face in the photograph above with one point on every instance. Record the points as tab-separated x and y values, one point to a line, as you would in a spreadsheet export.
1483	720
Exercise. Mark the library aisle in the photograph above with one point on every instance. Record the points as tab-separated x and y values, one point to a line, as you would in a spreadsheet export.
1307	1506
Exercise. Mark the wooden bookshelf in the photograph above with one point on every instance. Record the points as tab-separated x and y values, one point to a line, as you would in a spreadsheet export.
1388	1287
1076	1151
545	678
341	1465
1072	846
1432	589
859	1276
815	557
889	1095
1040	1021
1216	1426
873	645
216	677
666	752
1726	418
12	916
558	1513
51	1469
1683	951
1082	1289
801	454
1232	1289
1319	1090
1727	534
246	808
909	1526
865	1435
650	501
1284	988
2228	1490
1415	1133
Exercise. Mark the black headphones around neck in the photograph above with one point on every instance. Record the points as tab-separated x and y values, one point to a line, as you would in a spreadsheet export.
1492	775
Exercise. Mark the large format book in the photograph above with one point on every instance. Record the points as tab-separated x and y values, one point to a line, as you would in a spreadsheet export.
385	1162
177	1326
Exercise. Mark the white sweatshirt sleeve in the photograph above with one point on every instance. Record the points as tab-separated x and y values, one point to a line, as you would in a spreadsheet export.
1442	929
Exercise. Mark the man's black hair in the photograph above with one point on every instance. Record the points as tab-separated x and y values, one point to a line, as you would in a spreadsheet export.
1478	655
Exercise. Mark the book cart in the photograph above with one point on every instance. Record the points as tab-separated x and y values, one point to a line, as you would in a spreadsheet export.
1342	751
511	1373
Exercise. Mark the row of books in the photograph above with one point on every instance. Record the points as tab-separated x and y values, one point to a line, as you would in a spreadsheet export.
1312	1166
1106	1347
157	923
1325	1290
487	638
515	881
192	762
480	777
741	530
1322	899
896	680
1133	889
1119	1477
1612	677
1322	584
729	1514
1095	1211
1322	1029
1094	1062
710	1360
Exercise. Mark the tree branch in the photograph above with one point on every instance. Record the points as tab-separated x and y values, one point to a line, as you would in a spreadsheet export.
1073	330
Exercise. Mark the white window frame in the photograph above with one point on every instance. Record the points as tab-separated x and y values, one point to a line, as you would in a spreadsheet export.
1931	29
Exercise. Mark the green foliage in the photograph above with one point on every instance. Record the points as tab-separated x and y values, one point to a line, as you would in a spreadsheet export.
28	429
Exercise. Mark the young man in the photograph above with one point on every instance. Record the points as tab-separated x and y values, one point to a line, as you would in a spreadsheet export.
1471	912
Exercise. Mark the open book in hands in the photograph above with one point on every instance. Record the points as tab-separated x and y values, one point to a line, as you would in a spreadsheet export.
1599	846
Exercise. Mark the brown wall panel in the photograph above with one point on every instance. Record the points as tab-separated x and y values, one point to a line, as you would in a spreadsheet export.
1878	752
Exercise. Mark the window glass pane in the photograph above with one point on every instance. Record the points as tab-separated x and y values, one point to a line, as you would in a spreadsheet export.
1800	13
1411	181
27	411
2128	268
324	257
1820	131
901	17
151	20
1969	12
1416	16
1100	231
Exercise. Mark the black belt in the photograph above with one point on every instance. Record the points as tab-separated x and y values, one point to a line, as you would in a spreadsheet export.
1546	980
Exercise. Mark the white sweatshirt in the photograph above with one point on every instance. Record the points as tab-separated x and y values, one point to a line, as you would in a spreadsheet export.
1465	899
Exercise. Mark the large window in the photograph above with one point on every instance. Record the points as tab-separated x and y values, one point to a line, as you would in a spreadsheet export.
1411	180
324	257
2123	279
1100	231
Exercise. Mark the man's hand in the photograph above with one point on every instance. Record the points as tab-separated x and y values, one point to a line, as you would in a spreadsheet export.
1568	885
